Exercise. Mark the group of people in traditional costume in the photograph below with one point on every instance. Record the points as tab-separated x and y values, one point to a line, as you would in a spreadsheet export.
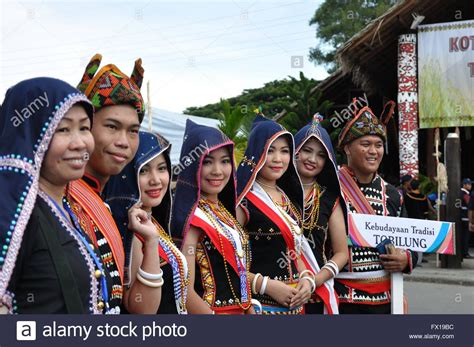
89	224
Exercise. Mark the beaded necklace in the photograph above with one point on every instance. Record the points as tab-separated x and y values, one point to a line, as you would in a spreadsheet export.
311	207
80	233
285	204
295	229
180	277
221	220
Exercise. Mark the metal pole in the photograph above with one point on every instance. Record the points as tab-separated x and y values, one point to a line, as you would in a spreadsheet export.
438	197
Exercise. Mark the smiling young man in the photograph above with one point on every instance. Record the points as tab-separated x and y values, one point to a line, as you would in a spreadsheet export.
119	110
364	284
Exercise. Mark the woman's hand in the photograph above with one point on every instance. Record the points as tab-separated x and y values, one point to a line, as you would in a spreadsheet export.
138	222
280	292
303	294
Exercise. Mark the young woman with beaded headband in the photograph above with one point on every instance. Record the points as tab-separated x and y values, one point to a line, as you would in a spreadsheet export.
204	215
47	264
156	272
271	199
323	217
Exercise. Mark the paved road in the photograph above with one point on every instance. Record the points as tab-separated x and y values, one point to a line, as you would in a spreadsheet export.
436	298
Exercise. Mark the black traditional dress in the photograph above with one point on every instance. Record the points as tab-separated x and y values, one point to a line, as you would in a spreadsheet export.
319	204
47	264
276	240
316	231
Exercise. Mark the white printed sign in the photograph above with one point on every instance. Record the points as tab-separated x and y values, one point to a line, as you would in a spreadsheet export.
366	230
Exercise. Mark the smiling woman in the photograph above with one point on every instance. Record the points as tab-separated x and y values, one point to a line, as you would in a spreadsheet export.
271	200
156	272
323	217
215	173
68	152
47	264
204	215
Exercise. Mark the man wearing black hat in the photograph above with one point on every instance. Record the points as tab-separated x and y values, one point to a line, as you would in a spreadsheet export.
364	285
465	197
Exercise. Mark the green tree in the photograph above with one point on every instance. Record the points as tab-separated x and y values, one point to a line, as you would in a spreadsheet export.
304	103
233	121
337	21
272	97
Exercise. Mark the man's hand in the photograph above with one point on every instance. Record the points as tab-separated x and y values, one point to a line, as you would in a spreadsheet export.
396	262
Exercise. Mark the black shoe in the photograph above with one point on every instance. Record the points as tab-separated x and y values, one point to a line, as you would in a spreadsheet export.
424	260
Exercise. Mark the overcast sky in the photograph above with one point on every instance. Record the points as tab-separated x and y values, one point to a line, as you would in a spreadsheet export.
193	52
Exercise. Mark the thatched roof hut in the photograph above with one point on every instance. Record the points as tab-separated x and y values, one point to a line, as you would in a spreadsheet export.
368	64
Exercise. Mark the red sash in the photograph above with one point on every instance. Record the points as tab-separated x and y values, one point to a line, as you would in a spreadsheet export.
211	232
352	192
275	218
373	288
322	291
98	212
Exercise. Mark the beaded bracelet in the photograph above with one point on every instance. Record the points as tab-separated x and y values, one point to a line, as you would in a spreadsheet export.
150	276
148	283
